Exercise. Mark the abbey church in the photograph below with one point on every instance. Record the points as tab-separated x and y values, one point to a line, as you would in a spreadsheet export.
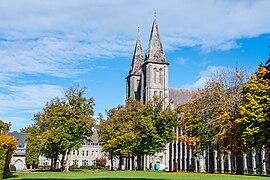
148	74
148	77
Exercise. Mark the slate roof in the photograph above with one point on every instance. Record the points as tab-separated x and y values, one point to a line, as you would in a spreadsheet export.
155	50
93	138
179	96
138	58
21	138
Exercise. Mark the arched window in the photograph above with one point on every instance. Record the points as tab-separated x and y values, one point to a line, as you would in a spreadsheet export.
160	95
155	93
160	76
155	75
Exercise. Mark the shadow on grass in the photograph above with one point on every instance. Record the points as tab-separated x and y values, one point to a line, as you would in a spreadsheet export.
93	178
10	176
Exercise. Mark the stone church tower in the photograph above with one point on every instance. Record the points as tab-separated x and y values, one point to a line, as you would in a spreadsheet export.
149	77
133	89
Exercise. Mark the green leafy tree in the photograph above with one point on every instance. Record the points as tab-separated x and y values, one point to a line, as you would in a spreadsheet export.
32	151
62	126
4	127
255	110
137	129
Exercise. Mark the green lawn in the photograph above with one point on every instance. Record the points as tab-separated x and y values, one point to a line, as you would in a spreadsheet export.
134	175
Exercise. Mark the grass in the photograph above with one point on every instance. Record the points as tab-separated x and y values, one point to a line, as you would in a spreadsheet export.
124	175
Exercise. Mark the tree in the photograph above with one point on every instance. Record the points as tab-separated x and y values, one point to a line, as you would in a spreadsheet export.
137	129
255	111
209	119
7	146
62	126
32	151
4	127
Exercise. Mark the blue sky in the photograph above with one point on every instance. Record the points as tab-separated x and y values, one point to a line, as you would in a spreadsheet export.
47	46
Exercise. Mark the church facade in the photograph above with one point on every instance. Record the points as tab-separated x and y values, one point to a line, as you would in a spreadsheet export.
148	74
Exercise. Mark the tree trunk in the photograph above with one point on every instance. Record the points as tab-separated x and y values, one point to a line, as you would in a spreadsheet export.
111	157
6	167
55	161
139	162
211	160
66	169
51	168
120	162
63	161
239	163
132	162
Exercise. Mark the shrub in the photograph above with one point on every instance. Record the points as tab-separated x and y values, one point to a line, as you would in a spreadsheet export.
44	167
84	167
101	161
73	167
3	153
12	167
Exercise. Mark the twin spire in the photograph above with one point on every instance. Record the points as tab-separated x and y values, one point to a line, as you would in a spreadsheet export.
155	52
138	57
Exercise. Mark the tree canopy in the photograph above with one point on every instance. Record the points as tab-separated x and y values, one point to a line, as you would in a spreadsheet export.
62	125
255	110
137	129
4	127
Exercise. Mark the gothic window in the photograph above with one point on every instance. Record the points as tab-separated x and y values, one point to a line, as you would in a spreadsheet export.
155	93
160	76
155	75
161	95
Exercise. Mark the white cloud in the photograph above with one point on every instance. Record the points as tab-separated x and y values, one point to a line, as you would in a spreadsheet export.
181	60
51	37
27	98
204	77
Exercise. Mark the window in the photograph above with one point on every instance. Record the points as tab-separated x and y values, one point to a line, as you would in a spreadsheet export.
84	162
75	162
155	75
160	76
78	153
86	153
74	152
92	153
155	93
83	153
161	95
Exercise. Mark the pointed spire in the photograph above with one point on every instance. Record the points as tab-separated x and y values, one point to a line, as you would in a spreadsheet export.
138	57
155	50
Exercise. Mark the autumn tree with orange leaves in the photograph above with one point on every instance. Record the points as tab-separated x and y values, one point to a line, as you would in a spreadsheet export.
208	120
7	146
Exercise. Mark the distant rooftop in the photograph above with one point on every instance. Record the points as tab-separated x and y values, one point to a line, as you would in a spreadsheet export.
179	96
21	138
